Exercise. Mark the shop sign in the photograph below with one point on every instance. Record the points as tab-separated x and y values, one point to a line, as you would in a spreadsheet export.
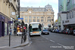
10	21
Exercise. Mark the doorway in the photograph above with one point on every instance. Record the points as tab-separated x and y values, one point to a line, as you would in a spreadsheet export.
2	28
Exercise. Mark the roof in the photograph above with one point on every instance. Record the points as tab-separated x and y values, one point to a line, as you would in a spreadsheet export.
36	9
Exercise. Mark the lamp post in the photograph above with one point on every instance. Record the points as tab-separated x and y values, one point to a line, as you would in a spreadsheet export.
10	25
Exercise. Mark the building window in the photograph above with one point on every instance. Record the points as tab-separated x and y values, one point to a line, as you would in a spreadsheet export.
25	20
30	20
34	20
52	19
48	20
38	20
30	17
41	20
42	17
49	17
26	17
38	17
34	17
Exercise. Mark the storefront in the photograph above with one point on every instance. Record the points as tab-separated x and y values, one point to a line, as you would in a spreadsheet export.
3	25
70	23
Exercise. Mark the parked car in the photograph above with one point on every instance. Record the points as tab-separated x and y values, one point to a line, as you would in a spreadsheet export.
60	31
53	30
57	31
67	31
63	31
73	32
45	31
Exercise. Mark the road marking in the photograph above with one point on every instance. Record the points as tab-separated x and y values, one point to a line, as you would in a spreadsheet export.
60	44
48	39
52	41
4	47
30	43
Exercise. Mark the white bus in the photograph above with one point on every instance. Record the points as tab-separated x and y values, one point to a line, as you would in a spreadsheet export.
34	28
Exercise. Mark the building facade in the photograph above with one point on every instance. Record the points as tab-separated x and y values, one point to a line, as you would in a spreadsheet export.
61	13
43	15
67	17
62	5
7	7
70	21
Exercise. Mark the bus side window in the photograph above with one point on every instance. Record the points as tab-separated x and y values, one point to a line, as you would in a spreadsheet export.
40	26
30	28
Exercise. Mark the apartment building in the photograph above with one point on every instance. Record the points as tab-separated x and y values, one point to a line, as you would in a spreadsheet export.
8	11
44	15
67	17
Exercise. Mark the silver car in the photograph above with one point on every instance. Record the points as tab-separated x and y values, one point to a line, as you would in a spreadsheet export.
45	31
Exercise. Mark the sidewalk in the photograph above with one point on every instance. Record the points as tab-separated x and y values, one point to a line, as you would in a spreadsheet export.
15	40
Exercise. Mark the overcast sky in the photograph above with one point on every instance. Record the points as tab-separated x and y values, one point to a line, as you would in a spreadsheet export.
41	3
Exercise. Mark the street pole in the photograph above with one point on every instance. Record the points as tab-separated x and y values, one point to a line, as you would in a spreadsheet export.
9	35
9	40
10	31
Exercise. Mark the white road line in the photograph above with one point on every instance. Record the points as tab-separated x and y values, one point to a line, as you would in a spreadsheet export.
30	43
52	41
60	44
48	39
4	47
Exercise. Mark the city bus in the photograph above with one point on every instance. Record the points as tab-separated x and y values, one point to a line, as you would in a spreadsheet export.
35	28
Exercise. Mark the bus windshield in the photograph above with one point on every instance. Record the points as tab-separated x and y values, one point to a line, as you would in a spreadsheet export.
36	29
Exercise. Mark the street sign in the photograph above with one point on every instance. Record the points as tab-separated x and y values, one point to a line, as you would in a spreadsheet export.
10	21
13	13
20	18
17	15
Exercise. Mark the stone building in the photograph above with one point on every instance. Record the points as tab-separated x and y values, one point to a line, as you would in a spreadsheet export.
44	15
6	9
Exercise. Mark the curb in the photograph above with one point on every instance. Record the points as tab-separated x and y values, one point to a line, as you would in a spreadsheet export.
21	45
24	44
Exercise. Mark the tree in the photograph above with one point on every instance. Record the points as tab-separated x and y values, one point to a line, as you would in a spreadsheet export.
56	20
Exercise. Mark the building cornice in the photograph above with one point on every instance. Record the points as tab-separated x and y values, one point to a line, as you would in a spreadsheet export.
4	15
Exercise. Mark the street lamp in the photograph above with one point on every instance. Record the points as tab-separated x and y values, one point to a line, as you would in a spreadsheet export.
10	24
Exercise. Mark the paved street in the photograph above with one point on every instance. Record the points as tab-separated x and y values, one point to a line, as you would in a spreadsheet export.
54	41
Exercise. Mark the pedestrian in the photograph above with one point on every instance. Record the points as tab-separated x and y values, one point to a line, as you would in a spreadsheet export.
14	30
24	30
